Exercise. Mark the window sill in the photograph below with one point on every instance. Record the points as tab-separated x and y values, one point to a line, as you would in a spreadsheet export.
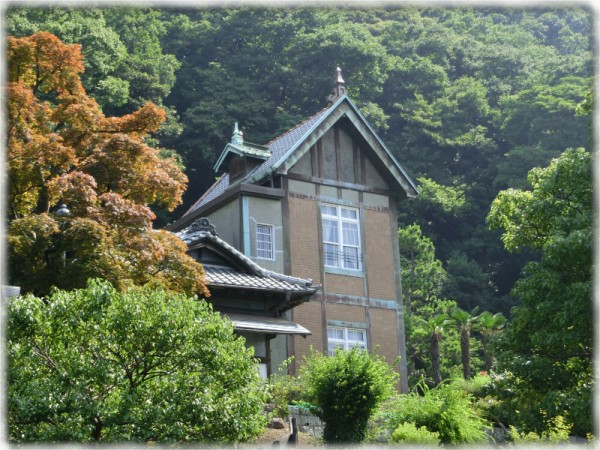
346	272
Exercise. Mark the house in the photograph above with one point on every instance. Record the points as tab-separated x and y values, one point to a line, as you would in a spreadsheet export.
319	202
252	297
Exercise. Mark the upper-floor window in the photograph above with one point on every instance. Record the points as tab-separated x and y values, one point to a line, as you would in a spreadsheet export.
345	339
264	242
341	237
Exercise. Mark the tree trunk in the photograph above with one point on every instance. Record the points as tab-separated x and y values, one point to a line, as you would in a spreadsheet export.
465	352
434	351
97	431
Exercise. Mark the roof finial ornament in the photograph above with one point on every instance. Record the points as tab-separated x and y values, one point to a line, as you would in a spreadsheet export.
339	89
237	138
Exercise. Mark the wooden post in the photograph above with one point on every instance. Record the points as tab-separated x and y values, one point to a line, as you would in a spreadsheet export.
293	440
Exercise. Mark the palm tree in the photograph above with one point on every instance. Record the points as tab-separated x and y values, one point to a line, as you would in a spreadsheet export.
435	327
465	322
489	325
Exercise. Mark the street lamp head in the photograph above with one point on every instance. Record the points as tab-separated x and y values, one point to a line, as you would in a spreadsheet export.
63	211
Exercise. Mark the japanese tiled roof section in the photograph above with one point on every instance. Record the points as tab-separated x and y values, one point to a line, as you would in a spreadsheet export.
278	147
255	277
227	276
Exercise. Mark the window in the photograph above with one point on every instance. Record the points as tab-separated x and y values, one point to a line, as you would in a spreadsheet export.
345	339
264	241
341	237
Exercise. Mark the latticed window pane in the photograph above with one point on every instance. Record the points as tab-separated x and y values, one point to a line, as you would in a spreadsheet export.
345	339
351	258
264	241
350	233
335	333
349	213
330	231
330	255
341	237
329	210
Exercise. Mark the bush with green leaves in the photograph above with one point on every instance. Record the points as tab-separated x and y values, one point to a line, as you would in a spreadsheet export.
557	432
285	390
408	433
98	365
347	387
447	410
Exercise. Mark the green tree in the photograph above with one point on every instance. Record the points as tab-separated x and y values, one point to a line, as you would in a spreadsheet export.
465	322
489	325
422	274
548	345
97	365
102	47
346	388
435	328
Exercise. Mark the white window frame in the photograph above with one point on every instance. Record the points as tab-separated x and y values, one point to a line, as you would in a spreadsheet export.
346	342
339	217
271	242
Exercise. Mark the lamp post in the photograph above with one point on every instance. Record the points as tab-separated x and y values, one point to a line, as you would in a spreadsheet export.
63	213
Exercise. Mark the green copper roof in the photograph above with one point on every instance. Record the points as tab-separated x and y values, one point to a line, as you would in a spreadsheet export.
241	148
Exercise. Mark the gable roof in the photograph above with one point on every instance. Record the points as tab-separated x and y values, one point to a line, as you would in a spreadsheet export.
287	148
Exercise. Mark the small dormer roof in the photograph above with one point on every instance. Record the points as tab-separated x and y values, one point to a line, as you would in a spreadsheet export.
237	146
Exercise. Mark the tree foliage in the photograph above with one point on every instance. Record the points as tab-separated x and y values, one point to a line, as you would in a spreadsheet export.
469	99
63	149
347	387
448	411
96	365
548	345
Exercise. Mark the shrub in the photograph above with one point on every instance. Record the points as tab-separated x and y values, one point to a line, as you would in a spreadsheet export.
557	432
346	388
408	433
142	366
285	390
447	410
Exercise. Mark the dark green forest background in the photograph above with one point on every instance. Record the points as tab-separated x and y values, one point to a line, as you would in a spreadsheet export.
467	99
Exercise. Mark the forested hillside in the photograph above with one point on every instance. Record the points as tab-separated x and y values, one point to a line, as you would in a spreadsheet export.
468	100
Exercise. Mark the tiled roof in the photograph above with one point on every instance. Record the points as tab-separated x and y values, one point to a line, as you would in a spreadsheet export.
285	142
278	147
227	276
282	146
254	276
213	192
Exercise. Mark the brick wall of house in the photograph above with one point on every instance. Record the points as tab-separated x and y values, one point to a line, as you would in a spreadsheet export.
346	313
308	315
304	239
384	332
344	285
380	259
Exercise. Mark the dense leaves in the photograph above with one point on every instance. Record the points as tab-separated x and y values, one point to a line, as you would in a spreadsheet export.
346	388
468	100
547	347
447	411
96	365
63	149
